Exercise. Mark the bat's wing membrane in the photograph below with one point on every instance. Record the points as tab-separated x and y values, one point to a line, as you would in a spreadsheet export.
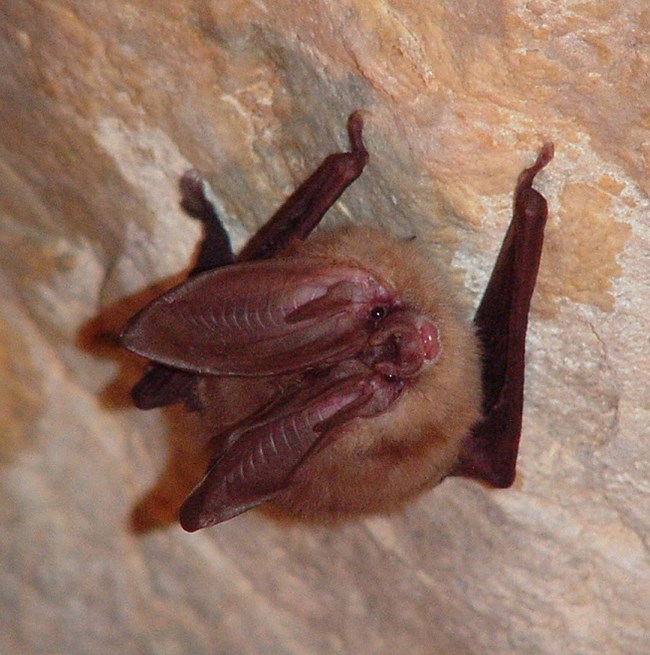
161	385
490	451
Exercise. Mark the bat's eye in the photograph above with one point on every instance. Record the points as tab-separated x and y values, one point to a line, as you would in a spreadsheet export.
377	313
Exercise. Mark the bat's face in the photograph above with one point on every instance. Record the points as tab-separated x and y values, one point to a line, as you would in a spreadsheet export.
402	343
424	347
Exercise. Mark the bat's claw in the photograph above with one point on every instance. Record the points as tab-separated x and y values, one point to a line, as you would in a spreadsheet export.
194	197
355	129
527	176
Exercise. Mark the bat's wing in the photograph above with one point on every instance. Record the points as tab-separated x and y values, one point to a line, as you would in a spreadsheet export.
262	454
260	318
490	451
307	205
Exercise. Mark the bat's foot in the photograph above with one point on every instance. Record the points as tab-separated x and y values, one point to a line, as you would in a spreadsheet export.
196	196
355	134
199	202
527	176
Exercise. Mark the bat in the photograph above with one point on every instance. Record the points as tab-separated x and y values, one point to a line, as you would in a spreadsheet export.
337	376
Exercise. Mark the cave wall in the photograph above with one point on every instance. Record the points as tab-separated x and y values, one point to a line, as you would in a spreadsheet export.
104	105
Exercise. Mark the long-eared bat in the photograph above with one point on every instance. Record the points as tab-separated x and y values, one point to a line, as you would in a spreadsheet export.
337	376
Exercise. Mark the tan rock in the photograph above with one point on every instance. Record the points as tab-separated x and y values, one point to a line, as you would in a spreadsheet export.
104	105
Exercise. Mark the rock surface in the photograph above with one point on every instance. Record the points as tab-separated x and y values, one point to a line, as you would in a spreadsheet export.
104	105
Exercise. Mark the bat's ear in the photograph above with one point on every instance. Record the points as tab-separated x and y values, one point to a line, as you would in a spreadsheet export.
259	318
262	455
205	506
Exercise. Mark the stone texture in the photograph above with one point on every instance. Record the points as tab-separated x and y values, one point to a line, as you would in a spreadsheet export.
103	105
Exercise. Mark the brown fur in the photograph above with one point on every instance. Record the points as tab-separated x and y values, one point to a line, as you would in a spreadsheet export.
377	464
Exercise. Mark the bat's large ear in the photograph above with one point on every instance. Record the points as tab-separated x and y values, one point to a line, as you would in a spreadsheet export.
259	318
489	452
261	456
